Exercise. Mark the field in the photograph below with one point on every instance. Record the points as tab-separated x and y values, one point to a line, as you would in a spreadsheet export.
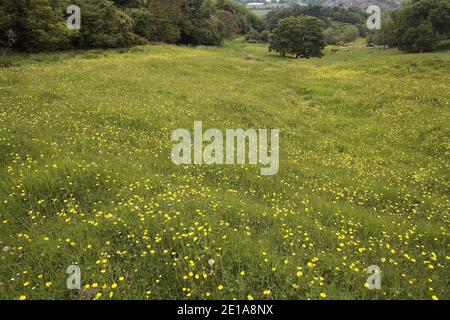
261	12
86	176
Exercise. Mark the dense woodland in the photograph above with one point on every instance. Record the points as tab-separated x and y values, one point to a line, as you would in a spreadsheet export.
40	25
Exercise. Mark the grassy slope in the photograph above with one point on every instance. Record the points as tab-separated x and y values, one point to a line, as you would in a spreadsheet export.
86	174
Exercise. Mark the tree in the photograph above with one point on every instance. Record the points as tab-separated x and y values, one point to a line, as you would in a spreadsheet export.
41	25
230	22
301	36
386	35
349	34
37	24
344	15
420	24
103	25
246	20
199	26
157	20
6	26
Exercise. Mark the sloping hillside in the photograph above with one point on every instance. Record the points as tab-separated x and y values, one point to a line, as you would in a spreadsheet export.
357	3
388	4
86	175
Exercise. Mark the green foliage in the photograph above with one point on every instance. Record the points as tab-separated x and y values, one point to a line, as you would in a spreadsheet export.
246	20
209	32
41	24
6	20
158	22
301	36
199	26
343	15
341	34
264	36
255	36
350	33
385	36
420	24
37	24
230	23
104	26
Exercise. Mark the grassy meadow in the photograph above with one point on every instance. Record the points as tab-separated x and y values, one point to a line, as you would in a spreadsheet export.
86	175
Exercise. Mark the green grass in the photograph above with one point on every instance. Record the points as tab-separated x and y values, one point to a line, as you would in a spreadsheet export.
261	12
86	175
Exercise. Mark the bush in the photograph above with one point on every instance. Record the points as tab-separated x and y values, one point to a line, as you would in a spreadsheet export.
264	36
255	36
301	36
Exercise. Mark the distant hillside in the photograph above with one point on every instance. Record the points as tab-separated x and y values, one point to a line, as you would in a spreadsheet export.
387	4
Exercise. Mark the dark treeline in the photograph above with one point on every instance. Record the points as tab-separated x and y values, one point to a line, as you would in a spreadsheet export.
418	26
344	15
37	25
343	25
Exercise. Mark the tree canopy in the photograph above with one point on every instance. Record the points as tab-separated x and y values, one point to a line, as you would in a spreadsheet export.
418	26
41	24
300	36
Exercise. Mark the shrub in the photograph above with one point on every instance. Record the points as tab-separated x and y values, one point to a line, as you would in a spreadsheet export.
255	36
